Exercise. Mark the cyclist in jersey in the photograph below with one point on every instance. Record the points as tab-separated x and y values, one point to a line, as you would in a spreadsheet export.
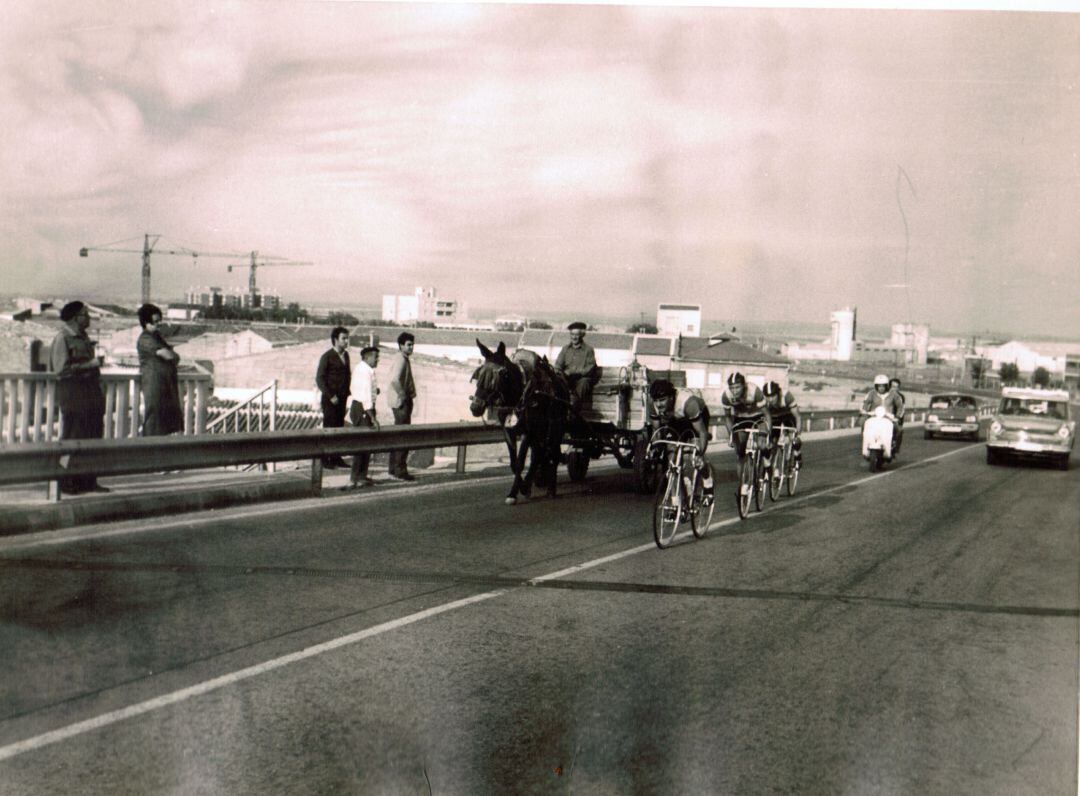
784	411
683	411
743	403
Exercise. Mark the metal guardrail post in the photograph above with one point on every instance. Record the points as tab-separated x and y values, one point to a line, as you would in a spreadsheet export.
459	465
316	475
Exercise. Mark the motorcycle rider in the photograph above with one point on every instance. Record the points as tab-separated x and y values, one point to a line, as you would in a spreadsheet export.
882	395
742	404
784	411
683	411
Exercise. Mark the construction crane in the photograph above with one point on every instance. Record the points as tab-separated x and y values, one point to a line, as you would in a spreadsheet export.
255	264
149	248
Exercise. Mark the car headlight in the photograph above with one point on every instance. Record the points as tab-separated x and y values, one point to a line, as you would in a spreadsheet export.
971	419
995	427
1063	432
932	418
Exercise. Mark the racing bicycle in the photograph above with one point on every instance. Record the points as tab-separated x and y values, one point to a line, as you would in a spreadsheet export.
681	496
753	479
784	469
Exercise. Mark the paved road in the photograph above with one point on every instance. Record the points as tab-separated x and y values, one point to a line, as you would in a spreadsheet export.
914	632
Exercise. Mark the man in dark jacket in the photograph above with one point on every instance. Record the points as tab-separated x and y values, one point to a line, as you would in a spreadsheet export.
78	388
332	378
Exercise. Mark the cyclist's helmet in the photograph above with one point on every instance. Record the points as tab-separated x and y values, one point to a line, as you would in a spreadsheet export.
661	388
772	389
881	380
736	378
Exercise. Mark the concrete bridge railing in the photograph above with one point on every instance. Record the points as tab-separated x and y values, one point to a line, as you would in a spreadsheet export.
29	411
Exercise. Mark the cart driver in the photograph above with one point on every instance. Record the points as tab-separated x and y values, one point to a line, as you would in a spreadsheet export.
684	412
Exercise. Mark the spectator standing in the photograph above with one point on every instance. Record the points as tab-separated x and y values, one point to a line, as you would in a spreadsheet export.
78	388
158	373
402	397
362	410
332	378
577	362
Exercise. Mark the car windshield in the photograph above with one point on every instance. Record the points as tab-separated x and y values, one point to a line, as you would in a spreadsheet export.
1033	406
952	402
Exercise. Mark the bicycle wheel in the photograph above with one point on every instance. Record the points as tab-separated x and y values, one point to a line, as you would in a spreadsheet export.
745	488
761	485
792	478
667	511
701	512
775	473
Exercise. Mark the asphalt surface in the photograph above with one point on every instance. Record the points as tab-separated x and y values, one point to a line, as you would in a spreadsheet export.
911	632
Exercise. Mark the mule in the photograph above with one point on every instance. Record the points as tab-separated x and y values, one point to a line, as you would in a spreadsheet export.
530	401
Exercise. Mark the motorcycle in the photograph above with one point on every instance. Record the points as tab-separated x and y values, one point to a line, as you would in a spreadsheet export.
877	438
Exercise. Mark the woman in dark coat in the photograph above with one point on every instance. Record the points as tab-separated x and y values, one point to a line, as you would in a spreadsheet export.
160	383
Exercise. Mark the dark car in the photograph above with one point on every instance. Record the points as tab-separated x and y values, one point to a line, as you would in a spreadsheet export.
953	414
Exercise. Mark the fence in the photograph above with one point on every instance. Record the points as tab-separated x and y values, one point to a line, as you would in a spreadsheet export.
29	411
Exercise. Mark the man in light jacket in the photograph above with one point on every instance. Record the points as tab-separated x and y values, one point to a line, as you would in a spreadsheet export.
401	394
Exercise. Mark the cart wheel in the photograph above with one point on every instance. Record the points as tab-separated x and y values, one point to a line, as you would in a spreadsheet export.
646	476
577	464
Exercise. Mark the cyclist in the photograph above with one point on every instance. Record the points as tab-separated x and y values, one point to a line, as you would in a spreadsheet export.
743	403
683	411
882	395
784	411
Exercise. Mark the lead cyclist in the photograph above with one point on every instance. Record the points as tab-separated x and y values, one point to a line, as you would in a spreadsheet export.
684	411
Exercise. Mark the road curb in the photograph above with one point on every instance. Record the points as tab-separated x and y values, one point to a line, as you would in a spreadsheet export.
152	503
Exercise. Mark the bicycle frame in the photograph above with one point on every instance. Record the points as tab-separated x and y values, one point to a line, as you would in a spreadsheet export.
752	483
679	497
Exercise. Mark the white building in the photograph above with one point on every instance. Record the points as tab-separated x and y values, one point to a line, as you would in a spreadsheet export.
679	319
1027	356
424	306
842	339
913	337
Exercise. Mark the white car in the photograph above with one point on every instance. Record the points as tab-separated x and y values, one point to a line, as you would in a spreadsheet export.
1032	423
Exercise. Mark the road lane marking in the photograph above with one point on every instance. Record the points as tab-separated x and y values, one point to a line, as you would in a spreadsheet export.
114	716
199	689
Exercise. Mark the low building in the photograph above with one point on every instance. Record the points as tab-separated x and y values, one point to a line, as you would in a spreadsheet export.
709	362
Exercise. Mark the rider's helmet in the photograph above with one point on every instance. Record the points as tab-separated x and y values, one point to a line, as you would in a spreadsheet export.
661	388
881	381
772	390
736	378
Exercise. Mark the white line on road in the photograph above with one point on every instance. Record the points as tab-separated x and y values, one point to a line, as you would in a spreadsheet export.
114	716
175	697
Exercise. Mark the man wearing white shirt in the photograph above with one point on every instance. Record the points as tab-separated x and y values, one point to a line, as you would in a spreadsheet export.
363	392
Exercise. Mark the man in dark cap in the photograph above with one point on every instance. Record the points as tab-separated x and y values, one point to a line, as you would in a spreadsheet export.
577	362
78	388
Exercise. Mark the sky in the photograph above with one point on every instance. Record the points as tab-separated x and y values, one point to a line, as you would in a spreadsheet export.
770	164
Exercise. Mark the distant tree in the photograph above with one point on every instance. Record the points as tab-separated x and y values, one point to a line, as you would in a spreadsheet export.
1009	372
342	319
539	325
1041	377
509	327
641	328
